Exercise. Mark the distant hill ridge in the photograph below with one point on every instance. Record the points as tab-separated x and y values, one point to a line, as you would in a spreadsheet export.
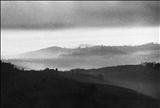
84	50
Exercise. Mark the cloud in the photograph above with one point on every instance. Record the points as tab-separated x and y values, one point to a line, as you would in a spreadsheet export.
69	14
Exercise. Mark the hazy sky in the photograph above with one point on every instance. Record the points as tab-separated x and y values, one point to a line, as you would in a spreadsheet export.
33	25
66	14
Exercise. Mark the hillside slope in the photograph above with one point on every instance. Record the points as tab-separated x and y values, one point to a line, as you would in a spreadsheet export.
143	79
49	88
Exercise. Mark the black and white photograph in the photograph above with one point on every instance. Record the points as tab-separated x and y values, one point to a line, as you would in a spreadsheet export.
80	54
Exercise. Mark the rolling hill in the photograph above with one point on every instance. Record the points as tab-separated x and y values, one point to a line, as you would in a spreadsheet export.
72	89
52	52
87	57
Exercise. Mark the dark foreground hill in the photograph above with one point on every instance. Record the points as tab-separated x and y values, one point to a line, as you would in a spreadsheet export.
54	89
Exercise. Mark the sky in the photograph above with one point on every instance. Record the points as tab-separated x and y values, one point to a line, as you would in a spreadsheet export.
68	14
31	25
